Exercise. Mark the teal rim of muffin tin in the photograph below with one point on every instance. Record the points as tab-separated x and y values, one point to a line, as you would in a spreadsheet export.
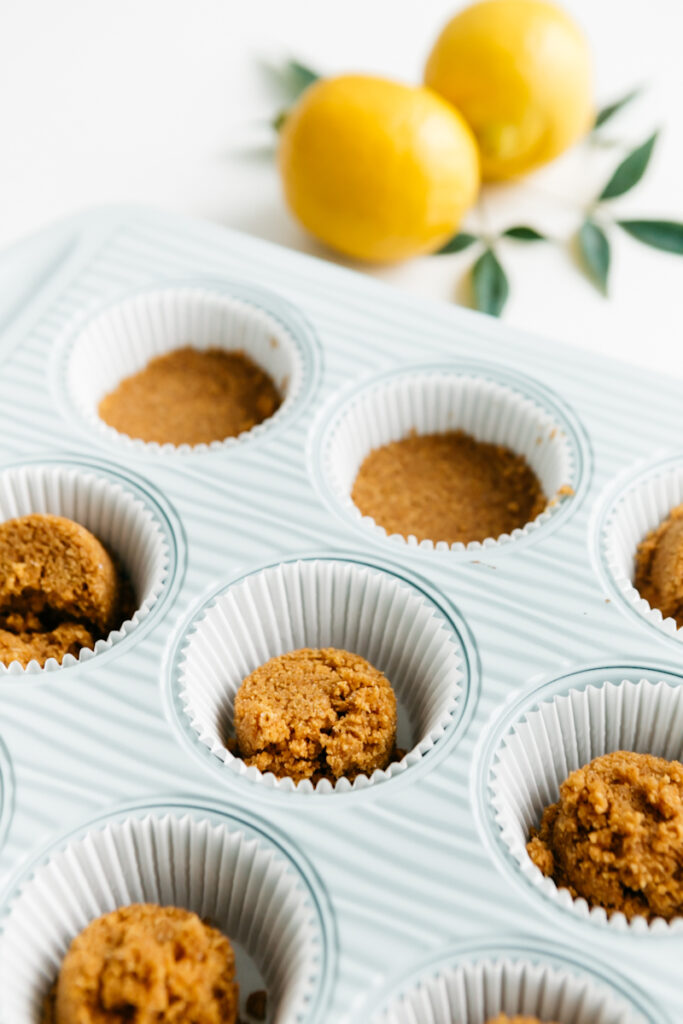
489	742
6	792
453	733
518	950
217	812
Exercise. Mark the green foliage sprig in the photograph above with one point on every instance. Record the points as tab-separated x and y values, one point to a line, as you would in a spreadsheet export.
489	283
293	78
490	287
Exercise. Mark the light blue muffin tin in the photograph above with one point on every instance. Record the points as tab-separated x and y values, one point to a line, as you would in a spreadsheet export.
409	867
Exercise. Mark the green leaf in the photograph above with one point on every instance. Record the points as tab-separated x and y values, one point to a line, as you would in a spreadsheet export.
456	244
279	120
524	234
660	234
607	113
290	78
630	170
490	284
301	76
595	253
294	78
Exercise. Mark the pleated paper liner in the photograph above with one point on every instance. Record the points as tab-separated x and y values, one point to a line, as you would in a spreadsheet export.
320	602
116	511
551	736
222	867
122	339
641	505
472	988
428	400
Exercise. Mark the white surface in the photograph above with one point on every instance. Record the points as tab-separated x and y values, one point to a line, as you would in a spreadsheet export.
165	102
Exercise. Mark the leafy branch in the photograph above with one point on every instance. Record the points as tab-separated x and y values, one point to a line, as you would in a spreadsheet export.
608	112
490	287
294	78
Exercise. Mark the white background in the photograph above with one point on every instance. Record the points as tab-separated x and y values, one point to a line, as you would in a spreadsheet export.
166	102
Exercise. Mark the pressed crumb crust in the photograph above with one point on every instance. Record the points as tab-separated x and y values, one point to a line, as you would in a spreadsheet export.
191	396
502	1018
659	567
447	487
313	714
615	837
60	590
145	964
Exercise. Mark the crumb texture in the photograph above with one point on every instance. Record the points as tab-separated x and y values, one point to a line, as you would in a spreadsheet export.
447	487
191	396
145	964
313	714
659	567
615	837
60	590
503	1018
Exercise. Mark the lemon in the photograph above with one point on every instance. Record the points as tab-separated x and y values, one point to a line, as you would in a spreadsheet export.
378	170
519	71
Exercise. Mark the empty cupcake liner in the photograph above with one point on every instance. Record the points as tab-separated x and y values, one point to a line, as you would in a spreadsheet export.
550	735
121	340
117	511
472	988
223	867
319	602
639	507
491	406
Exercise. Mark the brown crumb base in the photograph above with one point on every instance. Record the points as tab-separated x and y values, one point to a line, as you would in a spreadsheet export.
447	487
142	963
615	837
659	567
191	396
60	590
24	647
313	714
502	1018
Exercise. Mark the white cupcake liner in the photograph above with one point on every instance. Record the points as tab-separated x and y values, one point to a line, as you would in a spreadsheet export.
122	339
222	868
640	508
550	738
434	400
471	991
112	510
323	602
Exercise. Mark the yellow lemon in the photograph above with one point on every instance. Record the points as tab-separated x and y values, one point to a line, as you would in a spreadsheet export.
378	170
519	71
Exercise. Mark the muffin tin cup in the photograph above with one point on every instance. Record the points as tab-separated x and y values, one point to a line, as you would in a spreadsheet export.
320	602
474	986
6	792
116	511
492	406
640	505
553	733
223	867
121	339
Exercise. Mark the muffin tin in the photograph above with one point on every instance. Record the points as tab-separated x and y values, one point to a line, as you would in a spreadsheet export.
403	893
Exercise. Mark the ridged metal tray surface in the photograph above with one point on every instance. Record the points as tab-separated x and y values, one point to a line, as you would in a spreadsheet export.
412	866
